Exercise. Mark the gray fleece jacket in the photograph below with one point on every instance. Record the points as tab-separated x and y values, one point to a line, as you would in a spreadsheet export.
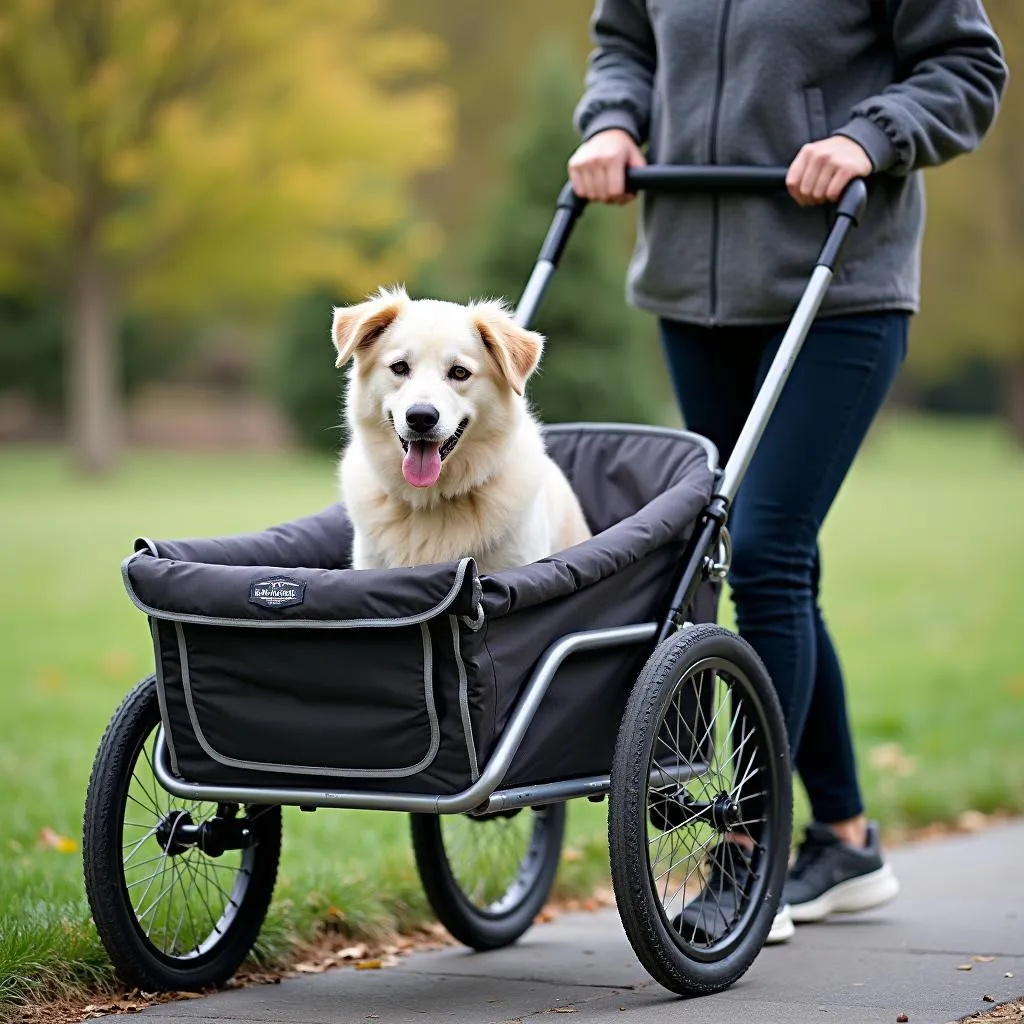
915	82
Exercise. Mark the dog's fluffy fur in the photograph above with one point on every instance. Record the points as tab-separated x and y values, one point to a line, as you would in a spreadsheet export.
498	496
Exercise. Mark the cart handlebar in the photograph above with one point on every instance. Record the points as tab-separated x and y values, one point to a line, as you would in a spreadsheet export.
714	180
743	180
668	178
697	180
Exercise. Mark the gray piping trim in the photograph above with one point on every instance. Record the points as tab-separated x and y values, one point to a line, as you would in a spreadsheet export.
293	769
477	623
467	722
215	620
161	695
710	449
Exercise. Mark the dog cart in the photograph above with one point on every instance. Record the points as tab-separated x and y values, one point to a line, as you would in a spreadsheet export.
477	704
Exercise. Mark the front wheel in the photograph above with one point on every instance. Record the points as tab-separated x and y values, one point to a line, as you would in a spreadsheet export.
488	877
700	811
178	888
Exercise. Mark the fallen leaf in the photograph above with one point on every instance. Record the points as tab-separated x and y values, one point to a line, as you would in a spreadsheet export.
901	1018
116	664
55	841
983	959
545	916
964	967
51	679
971	821
369	965
891	757
986	998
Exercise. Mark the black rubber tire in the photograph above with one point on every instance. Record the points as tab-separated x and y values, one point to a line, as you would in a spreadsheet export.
640	908
469	924
136	960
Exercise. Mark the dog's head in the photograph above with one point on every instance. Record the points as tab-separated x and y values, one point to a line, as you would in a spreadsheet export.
432	382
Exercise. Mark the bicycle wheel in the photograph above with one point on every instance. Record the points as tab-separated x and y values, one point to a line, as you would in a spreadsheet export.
178	888
488	877
700	811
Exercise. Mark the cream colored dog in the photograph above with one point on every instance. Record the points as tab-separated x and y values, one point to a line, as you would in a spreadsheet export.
445	459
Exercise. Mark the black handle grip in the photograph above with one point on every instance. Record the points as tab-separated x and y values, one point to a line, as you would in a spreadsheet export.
668	178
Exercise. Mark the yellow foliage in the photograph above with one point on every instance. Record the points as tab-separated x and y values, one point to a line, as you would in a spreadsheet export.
215	149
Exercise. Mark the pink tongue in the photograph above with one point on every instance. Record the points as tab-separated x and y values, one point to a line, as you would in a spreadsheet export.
422	463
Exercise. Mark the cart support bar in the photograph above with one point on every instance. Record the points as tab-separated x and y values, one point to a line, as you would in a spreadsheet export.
768	396
848	212
475	796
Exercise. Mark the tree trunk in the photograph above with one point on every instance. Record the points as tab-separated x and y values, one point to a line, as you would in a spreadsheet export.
1014	400
93	386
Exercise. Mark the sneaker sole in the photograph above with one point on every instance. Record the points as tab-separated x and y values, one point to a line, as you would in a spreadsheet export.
782	928
857	894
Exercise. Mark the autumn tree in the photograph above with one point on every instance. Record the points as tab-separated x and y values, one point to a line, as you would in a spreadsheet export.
185	154
973	273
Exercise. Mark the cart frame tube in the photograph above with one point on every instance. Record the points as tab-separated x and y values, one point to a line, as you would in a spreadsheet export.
484	796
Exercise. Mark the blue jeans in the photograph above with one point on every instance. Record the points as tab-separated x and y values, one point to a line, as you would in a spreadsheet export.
838	384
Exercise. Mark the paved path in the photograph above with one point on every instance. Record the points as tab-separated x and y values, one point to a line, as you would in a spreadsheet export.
961	897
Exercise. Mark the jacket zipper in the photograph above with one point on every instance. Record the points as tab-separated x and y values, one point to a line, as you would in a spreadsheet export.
723	28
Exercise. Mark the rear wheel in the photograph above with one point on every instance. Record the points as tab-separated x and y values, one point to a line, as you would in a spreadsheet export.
178	888
700	811
488	877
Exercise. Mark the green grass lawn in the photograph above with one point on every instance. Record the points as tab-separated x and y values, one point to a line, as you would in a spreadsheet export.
923	560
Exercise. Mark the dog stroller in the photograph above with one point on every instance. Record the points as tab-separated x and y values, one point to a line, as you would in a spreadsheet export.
478	704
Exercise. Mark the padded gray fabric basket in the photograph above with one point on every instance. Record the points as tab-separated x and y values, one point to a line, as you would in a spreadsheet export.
279	665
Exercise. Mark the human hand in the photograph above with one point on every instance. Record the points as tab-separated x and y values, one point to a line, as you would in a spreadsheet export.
597	170
823	169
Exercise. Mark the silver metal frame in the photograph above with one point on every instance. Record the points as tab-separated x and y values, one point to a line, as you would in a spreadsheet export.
778	373
481	796
533	292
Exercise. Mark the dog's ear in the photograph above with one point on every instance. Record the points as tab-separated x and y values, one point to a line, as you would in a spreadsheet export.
516	350
357	327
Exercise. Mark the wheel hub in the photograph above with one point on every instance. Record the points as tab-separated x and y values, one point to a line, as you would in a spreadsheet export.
177	832
173	830
723	813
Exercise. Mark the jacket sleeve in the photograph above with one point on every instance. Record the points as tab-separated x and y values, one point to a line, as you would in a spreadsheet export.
620	72
950	78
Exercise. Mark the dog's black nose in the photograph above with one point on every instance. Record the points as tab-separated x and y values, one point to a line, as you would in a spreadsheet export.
422	418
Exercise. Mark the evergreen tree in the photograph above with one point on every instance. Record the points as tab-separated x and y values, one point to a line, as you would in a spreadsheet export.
600	361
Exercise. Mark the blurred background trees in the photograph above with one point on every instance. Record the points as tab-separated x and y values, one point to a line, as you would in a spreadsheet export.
188	186
191	157
971	327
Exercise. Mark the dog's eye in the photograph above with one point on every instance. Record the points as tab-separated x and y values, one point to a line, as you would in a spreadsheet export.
400	369
459	373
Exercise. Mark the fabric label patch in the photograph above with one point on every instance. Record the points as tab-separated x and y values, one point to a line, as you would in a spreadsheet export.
277	592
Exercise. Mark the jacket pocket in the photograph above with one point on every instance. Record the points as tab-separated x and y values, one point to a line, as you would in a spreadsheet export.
817	118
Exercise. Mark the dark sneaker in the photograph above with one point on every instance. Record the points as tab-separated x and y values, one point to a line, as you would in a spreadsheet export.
830	877
716	908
